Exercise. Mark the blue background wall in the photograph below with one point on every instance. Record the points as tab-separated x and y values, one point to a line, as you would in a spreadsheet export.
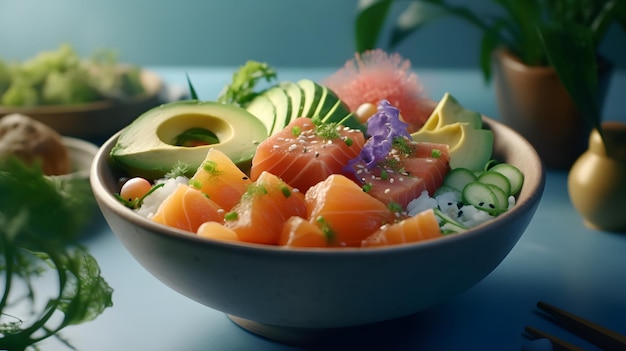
227	33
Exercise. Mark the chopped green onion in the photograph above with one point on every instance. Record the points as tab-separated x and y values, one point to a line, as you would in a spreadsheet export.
285	190
231	216
295	130
367	187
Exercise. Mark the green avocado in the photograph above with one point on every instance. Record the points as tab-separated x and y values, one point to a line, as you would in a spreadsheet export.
296	97
470	145
449	111
148	147
278	105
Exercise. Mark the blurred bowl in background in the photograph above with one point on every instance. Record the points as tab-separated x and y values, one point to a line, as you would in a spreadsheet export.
96	120
81	154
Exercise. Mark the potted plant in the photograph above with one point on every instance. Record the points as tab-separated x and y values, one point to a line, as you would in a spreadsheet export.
548	47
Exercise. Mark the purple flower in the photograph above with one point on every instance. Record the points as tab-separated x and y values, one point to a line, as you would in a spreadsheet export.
382	127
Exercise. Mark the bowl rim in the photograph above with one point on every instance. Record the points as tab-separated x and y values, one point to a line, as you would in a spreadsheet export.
105	198
76	146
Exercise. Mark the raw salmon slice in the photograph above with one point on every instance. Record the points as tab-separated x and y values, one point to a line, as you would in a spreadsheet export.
402	177
187	208
347	214
303	154
299	232
267	203
215	230
422	226
220	178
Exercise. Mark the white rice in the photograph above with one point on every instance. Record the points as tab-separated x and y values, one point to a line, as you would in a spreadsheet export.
152	202
450	204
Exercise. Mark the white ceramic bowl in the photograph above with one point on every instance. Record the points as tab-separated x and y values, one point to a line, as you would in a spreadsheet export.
291	294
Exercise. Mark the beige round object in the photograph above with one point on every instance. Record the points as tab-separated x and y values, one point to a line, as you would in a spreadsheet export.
32	141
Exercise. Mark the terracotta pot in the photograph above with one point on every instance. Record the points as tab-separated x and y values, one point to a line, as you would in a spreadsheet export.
597	180
533	101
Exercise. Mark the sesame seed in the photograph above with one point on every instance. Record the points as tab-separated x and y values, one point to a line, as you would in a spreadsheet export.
387	191
292	147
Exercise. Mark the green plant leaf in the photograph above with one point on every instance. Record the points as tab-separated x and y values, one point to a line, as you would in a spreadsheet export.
192	90
571	52
370	18
489	43
614	10
415	16
523	16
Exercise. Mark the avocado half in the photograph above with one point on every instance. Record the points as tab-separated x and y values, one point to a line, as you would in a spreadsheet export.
147	147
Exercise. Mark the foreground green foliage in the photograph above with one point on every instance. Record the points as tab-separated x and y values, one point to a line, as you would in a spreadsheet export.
40	219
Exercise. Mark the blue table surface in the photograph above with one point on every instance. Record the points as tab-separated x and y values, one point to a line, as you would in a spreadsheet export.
557	260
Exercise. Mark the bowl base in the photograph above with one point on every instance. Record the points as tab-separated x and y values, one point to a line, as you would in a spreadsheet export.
366	335
285	335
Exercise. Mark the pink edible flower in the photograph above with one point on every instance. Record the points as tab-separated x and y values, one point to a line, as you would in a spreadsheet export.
374	76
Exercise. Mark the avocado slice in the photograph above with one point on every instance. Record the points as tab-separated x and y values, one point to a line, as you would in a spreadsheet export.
296	96
469	147
322	102
449	111
263	109
313	93
146	146
277	106
282	104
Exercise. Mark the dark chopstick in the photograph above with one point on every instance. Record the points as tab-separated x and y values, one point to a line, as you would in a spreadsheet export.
557	344
600	336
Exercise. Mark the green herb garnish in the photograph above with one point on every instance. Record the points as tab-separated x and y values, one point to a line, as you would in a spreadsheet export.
137	202
395	207
40	220
241	90
285	190
401	144
180	169
295	131
327	131
231	216
326	229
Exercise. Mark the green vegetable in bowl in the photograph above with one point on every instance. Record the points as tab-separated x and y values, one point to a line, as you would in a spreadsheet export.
40	219
62	77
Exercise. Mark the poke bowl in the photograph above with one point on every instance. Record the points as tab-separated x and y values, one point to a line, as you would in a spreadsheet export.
297	293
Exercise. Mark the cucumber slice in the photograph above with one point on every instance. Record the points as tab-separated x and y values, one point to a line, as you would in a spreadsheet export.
458	178
447	224
481	196
497	179
515	176
502	197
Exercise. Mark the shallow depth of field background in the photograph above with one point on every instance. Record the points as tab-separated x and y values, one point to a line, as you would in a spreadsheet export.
283	33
